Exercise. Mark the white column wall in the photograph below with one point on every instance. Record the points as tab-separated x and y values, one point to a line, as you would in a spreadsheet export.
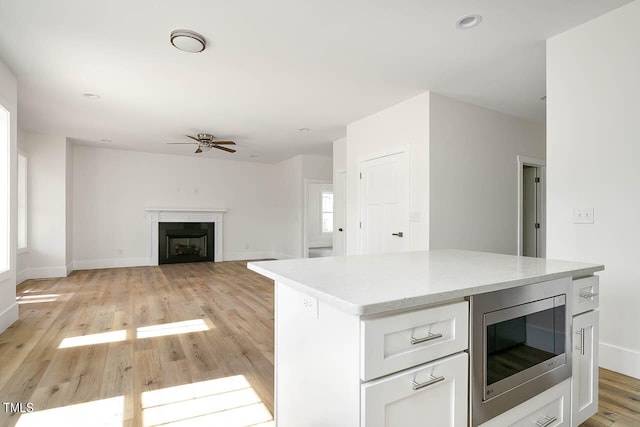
593	134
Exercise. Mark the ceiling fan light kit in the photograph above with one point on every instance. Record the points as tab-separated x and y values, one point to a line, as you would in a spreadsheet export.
188	41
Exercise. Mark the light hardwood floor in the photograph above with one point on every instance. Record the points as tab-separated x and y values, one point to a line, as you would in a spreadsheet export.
207	327
189	344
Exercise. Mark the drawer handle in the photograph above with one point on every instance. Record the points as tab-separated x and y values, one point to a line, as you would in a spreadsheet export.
581	348
588	295
433	380
429	337
547	421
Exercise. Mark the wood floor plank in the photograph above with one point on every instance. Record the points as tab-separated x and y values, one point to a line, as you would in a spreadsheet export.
229	307
236	306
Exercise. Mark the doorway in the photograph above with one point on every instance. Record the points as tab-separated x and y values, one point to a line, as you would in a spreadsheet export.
531	207
318	219
384	203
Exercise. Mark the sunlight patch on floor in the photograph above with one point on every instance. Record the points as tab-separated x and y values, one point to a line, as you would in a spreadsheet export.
38	298
229	402
175	328
102	338
98	413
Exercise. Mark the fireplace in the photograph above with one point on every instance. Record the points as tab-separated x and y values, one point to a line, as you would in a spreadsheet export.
157	216
185	242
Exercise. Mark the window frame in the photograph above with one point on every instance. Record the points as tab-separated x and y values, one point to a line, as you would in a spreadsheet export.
323	212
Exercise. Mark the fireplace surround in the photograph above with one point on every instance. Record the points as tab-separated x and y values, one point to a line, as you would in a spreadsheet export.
155	216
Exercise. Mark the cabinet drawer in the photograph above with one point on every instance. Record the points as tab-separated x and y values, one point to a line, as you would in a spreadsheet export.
434	394
551	408
393	343
585	294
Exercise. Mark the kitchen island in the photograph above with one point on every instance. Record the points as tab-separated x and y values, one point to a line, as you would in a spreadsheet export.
352	332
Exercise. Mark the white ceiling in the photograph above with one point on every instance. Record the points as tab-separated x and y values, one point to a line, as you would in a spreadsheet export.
270	67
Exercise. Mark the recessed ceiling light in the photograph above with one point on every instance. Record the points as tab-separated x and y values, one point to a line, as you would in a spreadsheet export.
468	21
304	129
105	140
91	95
187	41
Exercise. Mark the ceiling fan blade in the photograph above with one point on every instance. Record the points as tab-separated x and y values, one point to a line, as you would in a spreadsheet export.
224	149
182	142
194	138
224	143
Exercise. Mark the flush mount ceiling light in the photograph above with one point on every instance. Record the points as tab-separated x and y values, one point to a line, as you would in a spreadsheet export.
91	95
187	41
468	21
105	140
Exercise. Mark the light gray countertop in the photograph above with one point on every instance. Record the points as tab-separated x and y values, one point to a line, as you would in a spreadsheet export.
372	284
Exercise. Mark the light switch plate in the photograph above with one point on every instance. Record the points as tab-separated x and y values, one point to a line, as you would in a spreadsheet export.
583	215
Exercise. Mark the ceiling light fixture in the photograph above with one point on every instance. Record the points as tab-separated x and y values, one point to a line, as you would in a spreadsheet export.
304	129
468	21
187	41
91	95
105	140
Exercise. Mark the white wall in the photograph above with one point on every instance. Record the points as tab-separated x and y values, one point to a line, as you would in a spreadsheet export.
9	99
47	226
340	155
291	174
403	125
593	134
473	174
111	189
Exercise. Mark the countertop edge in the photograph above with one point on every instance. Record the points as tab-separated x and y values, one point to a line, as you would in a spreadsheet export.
417	301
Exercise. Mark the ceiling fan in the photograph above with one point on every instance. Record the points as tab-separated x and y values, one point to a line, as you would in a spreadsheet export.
207	140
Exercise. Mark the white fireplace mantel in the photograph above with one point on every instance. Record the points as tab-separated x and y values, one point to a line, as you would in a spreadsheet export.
157	215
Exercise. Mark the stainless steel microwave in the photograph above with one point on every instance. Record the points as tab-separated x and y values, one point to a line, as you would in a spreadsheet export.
520	345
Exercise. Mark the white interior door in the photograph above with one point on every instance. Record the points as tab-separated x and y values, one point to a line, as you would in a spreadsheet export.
340	214
384	210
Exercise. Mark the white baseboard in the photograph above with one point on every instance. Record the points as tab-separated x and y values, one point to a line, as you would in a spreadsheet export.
69	268
241	256
8	316
282	255
620	359
94	264
46	272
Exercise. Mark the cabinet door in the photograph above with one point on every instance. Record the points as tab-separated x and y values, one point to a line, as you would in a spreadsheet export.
584	401
434	394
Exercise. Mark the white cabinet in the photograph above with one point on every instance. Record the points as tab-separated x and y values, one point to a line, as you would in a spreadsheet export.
433	394
585	367
584	381
552	408
339	369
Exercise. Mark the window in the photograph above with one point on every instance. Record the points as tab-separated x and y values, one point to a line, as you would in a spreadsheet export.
4	190
327	212
22	202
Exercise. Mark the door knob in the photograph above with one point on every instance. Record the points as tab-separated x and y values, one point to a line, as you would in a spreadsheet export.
399	234
339	229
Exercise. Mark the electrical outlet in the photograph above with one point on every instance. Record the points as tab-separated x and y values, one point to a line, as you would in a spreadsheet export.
583	215
310	306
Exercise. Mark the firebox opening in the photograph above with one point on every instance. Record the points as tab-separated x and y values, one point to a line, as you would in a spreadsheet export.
185	242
